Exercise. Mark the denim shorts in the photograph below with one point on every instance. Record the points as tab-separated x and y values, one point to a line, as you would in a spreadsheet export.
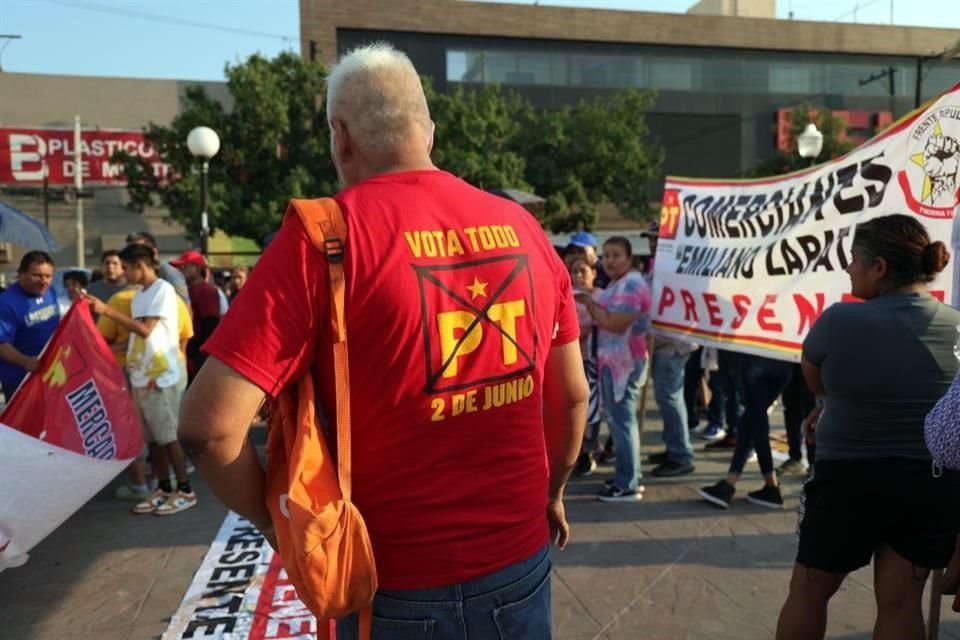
511	604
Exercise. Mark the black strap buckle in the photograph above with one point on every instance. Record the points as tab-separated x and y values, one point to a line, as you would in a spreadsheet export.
334	250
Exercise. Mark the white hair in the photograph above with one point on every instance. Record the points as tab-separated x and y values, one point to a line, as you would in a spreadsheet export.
378	91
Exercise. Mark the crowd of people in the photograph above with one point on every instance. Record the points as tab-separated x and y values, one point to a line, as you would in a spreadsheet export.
459	504
155	316
619	352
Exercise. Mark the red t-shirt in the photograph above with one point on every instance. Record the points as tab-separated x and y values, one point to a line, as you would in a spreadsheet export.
454	297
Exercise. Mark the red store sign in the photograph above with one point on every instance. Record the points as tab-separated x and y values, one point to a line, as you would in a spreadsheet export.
25	152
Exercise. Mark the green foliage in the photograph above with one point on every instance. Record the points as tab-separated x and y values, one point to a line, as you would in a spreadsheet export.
275	146
835	143
597	152
473	134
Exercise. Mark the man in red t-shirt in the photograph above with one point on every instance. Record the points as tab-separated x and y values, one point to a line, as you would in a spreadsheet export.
204	305
467	388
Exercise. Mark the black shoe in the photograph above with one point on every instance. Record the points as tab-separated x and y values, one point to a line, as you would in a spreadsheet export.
614	493
719	494
585	465
609	483
728	442
769	497
658	458
670	469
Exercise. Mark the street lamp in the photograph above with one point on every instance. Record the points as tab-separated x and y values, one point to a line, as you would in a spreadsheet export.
810	143
204	143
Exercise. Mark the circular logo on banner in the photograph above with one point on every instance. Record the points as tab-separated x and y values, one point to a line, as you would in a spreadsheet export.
931	177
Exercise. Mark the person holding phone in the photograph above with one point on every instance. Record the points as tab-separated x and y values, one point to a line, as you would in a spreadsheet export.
622	315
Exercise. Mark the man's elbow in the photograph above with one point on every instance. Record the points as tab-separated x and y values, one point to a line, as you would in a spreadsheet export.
194	432
578	394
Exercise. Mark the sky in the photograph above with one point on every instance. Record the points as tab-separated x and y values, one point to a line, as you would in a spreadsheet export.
194	39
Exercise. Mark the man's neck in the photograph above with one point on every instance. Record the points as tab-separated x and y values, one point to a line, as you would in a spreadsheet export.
398	166
148	280
115	282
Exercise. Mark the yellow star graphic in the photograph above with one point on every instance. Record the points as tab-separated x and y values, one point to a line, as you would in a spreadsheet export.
56	374
477	289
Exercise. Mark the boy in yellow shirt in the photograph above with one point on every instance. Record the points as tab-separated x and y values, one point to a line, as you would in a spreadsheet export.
118	339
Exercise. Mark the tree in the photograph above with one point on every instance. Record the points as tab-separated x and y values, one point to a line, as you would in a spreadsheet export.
274	146
596	152
835	143
474	130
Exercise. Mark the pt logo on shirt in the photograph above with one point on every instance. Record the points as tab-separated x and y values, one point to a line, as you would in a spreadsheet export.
478	322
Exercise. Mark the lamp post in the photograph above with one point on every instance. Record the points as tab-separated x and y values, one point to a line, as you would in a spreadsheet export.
810	143
204	143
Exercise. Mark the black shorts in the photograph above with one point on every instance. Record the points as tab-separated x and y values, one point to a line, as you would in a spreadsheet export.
849	508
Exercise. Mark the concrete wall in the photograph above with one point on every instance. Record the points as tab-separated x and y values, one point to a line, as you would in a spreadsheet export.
741	8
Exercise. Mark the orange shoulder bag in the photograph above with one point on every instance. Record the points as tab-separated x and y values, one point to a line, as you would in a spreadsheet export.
322	538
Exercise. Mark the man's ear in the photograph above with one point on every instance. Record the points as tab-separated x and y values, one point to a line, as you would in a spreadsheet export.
342	143
433	130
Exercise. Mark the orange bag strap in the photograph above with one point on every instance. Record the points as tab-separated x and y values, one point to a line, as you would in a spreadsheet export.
327	229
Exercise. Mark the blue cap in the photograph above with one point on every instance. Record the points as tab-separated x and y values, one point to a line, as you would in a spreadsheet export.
583	239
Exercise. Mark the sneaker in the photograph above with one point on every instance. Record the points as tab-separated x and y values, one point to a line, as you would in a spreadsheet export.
176	503
153	502
126	492
727	442
712	433
671	469
585	465
657	458
609	483
791	467
614	493
719	494
769	497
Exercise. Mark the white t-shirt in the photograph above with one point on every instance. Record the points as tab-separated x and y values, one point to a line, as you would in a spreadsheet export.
154	358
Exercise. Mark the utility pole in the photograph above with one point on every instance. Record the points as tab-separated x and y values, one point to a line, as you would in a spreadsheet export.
7	39
946	54
46	195
78	185
888	73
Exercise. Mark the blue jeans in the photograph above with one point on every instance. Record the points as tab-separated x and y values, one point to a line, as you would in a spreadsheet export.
763	381
511	603
668	375
622	420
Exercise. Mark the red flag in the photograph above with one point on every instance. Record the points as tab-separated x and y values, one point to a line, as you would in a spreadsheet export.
78	399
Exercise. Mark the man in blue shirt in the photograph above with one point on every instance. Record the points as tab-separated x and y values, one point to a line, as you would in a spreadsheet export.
28	317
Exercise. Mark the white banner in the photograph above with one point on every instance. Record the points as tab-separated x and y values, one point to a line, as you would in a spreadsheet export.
749	265
241	592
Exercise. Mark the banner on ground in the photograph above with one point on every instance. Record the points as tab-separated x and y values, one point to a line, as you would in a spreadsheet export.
241	592
749	265
67	432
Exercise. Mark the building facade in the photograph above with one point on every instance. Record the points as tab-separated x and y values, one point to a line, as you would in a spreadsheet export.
721	80
50	102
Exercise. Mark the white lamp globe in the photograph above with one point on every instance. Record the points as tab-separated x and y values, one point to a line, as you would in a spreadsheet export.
203	142
810	142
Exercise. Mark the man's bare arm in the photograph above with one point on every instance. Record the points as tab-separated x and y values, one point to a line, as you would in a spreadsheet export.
565	396
214	423
9	353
